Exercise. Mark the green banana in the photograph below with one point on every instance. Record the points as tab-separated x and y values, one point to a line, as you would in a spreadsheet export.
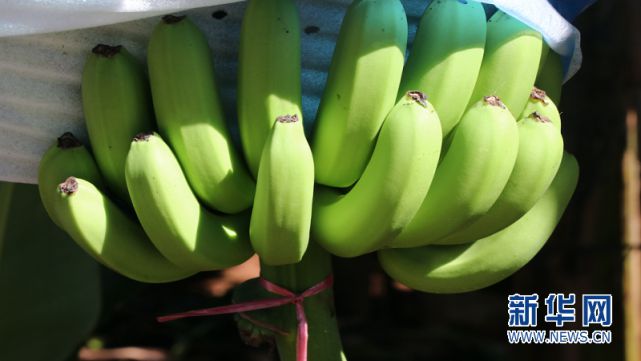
538	159
545	50
282	213
470	177
269	68
550	76
469	267
446	56
182	230
94	222
117	105
361	88
107	234
190	115
392	187
66	158
510	62
539	102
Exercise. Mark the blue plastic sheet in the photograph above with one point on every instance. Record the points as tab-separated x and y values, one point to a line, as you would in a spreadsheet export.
19	17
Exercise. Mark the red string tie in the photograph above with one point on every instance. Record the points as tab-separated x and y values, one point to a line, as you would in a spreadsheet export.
289	298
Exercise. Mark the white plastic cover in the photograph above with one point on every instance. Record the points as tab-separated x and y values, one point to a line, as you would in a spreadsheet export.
40	70
560	35
20	17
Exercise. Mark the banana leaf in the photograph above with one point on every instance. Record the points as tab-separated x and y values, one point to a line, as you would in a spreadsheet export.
49	288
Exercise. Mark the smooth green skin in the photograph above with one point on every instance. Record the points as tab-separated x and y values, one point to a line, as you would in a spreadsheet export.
182	230
545	108
190	116
510	63
282	212
469	178
550	76
107	234
465	268
537	162
446	56
117	105
6	193
391	189
94	222
545	50
56	165
361	89
269	69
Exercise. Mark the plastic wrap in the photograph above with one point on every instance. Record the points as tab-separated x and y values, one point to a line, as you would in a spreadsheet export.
43	45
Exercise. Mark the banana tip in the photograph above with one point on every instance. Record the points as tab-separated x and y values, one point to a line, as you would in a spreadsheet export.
107	51
287	118
172	19
418	97
69	186
68	140
540	117
538	95
494	101
143	137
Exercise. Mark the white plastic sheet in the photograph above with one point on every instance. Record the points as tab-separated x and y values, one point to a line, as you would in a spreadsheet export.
560	35
20	17
40	70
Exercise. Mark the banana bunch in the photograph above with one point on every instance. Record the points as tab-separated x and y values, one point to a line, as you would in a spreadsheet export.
451	166
468	267
162	193
152	210
503	180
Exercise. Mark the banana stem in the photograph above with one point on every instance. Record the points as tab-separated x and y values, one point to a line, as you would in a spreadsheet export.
324	342
632	228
